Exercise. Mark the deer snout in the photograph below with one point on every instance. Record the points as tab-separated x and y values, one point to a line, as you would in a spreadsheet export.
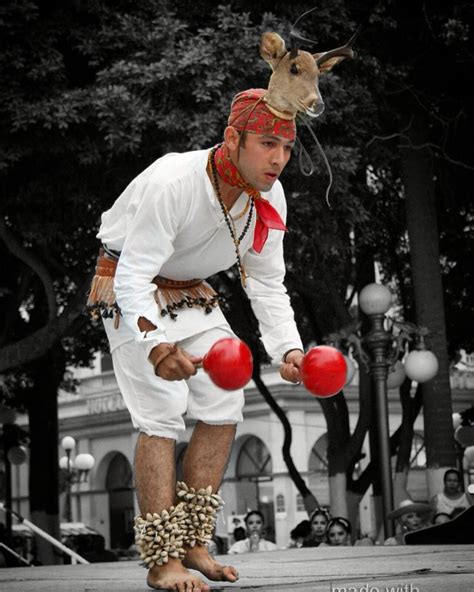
316	108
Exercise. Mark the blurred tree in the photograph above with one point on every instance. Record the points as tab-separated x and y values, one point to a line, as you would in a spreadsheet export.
430	113
93	92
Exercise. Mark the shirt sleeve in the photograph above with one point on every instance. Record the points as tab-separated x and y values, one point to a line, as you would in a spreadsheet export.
153	218
268	295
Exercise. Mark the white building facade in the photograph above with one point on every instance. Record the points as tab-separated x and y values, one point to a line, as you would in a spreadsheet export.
256	476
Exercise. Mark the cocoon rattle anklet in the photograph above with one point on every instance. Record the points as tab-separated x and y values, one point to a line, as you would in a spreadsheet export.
200	508
160	536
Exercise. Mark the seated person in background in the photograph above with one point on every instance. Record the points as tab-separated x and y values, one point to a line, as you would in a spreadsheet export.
299	533
318	520
451	498
338	533
254	541
441	518
239	534
457	531
411	516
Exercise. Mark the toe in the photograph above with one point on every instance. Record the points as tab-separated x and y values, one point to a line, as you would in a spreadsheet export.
231	573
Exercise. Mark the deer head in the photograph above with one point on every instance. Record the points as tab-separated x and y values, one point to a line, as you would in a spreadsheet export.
293	86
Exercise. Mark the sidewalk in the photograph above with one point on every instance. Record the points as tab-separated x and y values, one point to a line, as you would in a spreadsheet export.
346	569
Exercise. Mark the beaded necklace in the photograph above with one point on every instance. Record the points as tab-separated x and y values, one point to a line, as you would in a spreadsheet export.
228	218
243	212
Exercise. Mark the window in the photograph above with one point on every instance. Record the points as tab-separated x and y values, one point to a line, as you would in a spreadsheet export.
280	503
300	503
254	459
318	458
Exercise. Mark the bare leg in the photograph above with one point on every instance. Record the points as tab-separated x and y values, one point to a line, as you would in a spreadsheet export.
204	464
155	479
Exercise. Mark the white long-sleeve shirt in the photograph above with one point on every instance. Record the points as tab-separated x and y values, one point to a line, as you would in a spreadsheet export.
168	222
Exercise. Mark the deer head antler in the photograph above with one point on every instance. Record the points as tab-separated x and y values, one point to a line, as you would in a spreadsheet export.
296	38
345	51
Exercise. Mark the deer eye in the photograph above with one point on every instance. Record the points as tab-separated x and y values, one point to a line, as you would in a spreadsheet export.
294	69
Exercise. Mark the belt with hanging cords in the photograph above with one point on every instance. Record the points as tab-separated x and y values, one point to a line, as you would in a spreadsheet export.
171	295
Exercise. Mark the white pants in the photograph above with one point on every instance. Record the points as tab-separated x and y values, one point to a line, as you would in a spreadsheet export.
157	406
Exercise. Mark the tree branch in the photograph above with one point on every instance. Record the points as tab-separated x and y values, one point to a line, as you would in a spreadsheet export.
39	342
18	251
411	145
11	312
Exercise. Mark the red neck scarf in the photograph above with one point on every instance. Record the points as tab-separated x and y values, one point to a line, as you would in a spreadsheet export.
267	216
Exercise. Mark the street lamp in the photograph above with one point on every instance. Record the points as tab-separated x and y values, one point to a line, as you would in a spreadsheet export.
75	470
420	365
375	300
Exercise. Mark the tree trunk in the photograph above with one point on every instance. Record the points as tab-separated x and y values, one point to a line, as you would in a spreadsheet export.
44	471
339	435
241	304
418	180
338	495
402	466
309	500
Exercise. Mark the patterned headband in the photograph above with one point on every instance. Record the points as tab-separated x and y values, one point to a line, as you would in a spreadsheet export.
249	112
346	525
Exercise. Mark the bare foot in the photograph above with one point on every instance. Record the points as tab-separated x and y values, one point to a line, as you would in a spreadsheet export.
198	558
173	576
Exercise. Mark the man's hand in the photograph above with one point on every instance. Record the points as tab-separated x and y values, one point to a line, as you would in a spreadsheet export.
290	368
173	363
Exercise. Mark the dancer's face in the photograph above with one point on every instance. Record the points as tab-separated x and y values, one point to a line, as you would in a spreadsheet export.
261	158
412	521
254	524
337	535
451	483
318	525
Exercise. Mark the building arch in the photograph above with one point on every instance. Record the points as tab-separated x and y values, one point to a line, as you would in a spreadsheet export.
119	486
318	470
254	481
100	473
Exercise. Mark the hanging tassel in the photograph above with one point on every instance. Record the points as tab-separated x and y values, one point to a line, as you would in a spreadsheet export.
101	300
170	295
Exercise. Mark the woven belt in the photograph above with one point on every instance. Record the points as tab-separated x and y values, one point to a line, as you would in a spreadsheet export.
171	295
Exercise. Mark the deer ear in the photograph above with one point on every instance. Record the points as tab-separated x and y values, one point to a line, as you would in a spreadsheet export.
327	66
272	49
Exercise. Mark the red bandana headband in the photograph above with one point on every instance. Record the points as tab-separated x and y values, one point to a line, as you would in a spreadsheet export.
249	113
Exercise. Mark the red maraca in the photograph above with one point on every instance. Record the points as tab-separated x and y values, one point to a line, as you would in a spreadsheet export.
229	363
323	371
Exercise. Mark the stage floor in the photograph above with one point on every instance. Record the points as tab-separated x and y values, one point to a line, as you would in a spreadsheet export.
345	569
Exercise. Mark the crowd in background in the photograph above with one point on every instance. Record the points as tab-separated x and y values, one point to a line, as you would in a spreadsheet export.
322	529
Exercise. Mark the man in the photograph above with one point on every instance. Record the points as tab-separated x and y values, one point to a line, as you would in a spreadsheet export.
186	217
